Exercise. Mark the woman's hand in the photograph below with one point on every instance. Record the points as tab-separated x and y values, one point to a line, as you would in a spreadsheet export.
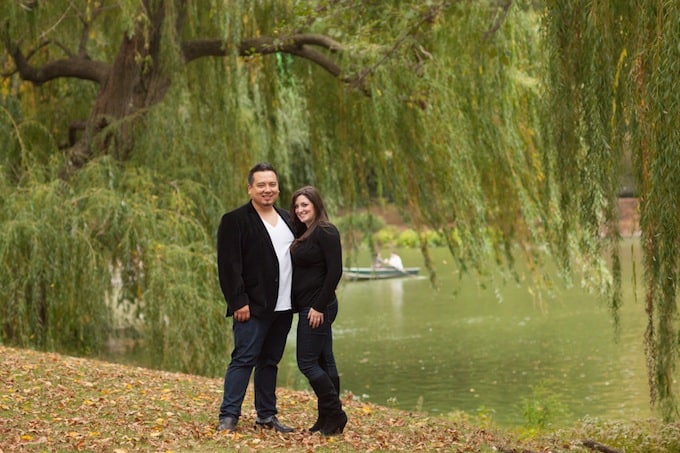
315	318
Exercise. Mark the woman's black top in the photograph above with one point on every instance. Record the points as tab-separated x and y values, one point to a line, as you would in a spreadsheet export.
317	269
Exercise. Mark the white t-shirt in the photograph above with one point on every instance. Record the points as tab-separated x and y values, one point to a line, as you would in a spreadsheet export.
395	262
282	237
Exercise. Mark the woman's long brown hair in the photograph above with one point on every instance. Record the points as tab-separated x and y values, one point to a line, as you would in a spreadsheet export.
302	232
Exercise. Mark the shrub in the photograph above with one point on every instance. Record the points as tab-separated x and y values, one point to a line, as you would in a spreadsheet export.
385	236
408	238
434	239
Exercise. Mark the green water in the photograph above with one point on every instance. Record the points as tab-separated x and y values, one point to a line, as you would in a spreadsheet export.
487	352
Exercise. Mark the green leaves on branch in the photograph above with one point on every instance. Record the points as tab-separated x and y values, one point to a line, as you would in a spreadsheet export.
105	254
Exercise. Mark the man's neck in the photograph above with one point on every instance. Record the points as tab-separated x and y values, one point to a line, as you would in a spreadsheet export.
267	213
263	210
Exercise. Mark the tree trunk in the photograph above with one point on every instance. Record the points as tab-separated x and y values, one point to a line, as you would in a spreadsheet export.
135	82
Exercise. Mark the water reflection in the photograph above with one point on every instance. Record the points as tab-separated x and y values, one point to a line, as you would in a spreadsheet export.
397	298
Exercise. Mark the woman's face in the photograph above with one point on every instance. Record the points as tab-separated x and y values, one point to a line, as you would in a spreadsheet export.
304	210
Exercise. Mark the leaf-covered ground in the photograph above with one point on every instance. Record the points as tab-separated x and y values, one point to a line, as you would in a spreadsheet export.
51	402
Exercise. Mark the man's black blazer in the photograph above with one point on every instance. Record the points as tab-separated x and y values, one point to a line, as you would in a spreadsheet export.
246	261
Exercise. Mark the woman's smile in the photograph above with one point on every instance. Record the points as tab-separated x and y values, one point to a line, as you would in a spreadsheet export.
304	210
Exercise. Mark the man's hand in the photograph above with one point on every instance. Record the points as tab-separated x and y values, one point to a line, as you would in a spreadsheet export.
242	314
315	318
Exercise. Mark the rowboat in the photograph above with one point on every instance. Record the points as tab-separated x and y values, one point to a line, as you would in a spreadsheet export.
378	273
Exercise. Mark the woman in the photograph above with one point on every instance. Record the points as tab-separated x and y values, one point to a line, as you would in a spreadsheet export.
317	269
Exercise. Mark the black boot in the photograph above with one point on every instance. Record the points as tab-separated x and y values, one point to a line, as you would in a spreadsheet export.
335	424
321	419
336	383
330	407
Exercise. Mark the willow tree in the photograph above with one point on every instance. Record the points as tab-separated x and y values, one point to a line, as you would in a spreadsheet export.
130	126
614	83
129	129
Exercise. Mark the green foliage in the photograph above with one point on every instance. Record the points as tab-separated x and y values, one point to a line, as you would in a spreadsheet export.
612	100
433	239
53	294
385	236
365	222
541	410
641	436
61	244
358	229
407	238
485	416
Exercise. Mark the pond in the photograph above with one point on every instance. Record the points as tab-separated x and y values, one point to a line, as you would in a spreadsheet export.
487	352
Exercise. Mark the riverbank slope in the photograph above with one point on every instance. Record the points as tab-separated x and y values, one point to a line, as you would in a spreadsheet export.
52	402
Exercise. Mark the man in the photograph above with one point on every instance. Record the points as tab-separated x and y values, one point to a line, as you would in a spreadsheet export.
255	273
395	261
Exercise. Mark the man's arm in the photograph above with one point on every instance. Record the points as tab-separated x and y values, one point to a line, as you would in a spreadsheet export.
230	264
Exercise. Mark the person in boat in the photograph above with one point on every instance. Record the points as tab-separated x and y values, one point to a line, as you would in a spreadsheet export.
395	261
378	261
317	268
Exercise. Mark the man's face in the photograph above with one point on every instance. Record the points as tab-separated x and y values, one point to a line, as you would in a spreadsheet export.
264	191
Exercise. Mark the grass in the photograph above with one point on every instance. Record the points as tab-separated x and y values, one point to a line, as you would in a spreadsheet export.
55	403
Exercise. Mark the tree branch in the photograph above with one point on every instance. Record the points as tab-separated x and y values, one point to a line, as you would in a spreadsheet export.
317	57
297	45
80	68
503	7
432	13
76	65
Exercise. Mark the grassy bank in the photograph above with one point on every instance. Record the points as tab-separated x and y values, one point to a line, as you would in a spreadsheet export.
55	403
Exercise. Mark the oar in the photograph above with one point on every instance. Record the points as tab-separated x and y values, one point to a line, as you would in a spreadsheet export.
403	271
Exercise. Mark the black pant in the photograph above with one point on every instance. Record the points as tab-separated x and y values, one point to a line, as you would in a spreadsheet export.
315	346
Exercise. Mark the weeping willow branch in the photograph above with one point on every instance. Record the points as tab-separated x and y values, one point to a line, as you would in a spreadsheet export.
608	107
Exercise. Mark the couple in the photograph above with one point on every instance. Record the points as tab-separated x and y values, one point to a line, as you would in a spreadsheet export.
272	263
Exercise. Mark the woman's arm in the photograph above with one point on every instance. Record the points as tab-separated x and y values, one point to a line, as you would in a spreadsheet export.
328	239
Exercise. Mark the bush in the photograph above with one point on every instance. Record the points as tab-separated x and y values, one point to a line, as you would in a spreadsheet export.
365	222
385	236
434	239
371	230
408	238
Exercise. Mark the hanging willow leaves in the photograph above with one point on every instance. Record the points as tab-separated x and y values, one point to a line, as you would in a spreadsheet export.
613	79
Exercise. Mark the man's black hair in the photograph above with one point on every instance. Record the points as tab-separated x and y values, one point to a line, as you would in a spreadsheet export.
262	166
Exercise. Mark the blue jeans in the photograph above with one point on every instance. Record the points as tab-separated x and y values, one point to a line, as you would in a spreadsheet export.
258	343
315	346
